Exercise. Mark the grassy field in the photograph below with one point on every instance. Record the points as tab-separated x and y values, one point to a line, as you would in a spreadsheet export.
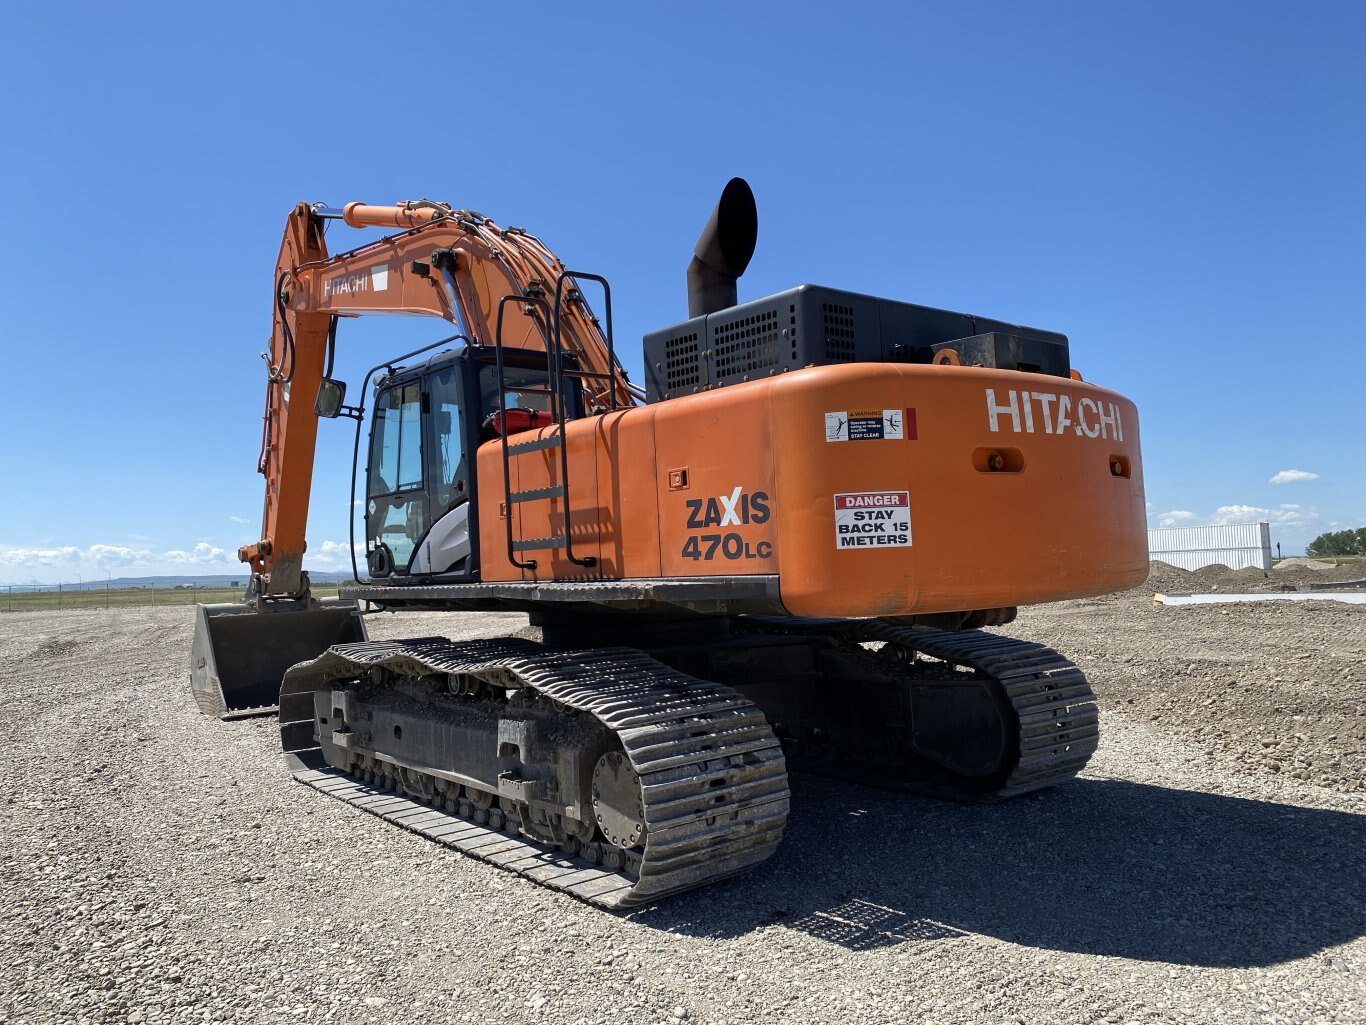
31	601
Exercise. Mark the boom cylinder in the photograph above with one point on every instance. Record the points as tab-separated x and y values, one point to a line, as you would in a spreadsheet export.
362	215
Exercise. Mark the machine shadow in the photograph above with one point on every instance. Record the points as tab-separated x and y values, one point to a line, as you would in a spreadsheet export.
1094	866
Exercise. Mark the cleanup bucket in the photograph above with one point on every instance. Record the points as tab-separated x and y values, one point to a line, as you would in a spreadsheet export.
240	654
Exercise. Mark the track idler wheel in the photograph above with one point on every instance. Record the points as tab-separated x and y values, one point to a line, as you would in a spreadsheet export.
618	802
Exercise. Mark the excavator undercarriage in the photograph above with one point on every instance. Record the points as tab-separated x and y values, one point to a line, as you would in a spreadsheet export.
611	774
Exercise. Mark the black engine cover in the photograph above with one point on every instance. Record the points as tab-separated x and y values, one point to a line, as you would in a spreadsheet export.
814	326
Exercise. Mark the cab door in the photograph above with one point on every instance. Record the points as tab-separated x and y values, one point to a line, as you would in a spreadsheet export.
397	513
446	550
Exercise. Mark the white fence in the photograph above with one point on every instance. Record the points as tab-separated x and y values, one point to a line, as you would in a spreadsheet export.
1235	545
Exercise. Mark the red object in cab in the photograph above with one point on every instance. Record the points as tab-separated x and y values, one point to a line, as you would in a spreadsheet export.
515	421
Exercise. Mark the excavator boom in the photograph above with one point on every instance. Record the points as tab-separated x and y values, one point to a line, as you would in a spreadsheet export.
446	263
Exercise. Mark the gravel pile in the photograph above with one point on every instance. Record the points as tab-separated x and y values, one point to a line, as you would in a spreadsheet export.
159	866
1163	578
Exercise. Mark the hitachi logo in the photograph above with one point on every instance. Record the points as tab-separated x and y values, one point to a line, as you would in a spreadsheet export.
346	285
376	278
1054	414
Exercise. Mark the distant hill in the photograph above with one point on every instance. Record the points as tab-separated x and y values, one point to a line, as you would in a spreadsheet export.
208	580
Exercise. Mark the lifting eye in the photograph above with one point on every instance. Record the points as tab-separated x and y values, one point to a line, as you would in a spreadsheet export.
998	460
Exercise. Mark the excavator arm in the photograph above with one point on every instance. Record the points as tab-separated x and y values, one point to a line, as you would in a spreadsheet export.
454	264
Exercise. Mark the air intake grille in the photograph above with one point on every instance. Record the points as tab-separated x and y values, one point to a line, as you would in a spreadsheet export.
839	332
746	345
681	363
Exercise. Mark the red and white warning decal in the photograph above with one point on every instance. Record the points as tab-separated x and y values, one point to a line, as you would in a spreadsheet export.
873	519
868	425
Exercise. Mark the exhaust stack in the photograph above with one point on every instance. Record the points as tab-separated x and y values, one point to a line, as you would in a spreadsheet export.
723	251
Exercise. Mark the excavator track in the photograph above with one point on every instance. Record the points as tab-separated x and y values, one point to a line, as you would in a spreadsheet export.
713	781
1054	707
1059	722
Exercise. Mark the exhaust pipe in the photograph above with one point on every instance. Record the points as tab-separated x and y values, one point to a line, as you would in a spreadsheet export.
723	251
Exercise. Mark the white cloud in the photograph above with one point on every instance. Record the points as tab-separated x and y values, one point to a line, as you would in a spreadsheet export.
237	519
66	561
1175	518
333	555
203	554
1292	477
116	555
65	556
1285	515
69	560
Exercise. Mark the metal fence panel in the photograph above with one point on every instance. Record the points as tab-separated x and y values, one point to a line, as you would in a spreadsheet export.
1235	545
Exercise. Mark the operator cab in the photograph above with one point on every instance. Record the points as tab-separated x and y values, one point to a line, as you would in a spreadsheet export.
420	504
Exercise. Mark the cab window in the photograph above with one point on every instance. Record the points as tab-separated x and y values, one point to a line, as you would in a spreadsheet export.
523	388
396	450
448	450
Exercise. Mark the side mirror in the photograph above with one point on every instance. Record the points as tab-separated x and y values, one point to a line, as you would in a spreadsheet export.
331	396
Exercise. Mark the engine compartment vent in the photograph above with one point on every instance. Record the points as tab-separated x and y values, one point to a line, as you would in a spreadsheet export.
813	326
683	363
745	345
838	322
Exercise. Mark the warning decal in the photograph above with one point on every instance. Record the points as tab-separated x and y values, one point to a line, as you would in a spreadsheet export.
866	425
873	519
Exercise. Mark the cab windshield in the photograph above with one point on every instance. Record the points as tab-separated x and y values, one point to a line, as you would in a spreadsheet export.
396	451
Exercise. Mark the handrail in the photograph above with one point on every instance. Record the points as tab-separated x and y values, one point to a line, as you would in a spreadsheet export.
559	407
503	434
612	367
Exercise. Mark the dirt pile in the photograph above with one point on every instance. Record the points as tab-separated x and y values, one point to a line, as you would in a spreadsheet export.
1165	579
1306	573
1301	561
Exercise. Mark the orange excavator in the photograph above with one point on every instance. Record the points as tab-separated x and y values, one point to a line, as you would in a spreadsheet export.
781	552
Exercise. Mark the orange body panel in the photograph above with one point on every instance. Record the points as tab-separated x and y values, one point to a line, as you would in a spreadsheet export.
1019	489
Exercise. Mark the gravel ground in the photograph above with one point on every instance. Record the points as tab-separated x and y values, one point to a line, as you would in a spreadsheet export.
160	866
1267	688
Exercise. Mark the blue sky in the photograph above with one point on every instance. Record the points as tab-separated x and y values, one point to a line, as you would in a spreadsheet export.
1178	187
